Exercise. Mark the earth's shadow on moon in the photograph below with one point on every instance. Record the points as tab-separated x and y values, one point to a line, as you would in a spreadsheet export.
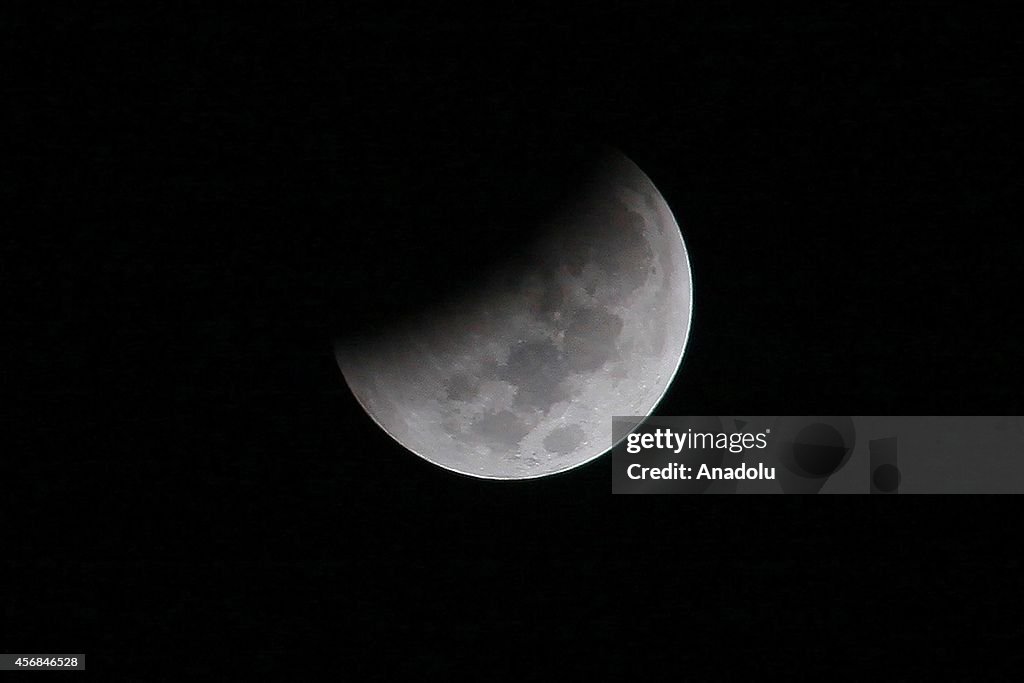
469	215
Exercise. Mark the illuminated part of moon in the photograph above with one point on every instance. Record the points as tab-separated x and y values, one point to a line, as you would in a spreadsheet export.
521	378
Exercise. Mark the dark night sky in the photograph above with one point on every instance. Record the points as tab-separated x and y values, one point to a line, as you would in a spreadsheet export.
200	197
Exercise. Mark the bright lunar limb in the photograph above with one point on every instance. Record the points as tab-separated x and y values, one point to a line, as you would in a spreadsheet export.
521	377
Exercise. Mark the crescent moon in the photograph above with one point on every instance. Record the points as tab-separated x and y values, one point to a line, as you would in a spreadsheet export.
520	378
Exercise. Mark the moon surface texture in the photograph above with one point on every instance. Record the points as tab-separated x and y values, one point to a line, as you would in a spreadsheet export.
520	377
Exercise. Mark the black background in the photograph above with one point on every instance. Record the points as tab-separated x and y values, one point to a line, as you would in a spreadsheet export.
199	198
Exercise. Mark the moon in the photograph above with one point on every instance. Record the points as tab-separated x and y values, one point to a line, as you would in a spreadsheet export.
519	377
